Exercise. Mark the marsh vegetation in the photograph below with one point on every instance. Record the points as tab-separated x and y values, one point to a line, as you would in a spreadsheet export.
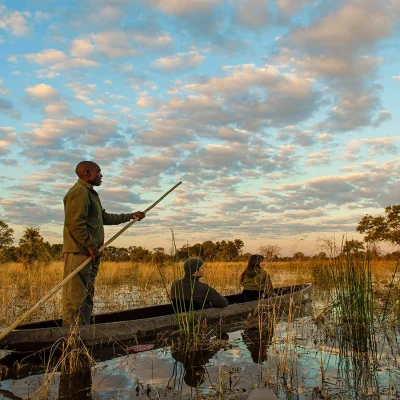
343	344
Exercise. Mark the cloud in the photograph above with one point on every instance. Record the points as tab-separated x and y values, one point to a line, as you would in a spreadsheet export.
109	44
396	78
289	7
57	60
321	158
53	104
376	146
42	91
15	22
354	34
253	14
179	62
178	7
46	74
81	48
71	132
144	100
7	108
47	57
301	138
244	77
155	41
7	137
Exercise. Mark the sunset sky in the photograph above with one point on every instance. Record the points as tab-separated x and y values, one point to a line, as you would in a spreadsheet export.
280	117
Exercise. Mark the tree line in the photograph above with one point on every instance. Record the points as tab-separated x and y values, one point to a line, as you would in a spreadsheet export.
32	248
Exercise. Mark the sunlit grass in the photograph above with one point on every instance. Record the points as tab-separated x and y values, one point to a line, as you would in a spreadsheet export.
130	284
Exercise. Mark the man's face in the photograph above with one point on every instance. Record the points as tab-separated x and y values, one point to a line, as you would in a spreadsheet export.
94	175
200	272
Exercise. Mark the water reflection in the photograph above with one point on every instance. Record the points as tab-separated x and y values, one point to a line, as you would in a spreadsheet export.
258	341
193	360
76	377
358	357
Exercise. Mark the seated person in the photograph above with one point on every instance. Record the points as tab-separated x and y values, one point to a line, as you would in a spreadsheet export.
255	281
191	294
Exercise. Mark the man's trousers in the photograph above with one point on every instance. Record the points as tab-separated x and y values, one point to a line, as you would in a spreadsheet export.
78	292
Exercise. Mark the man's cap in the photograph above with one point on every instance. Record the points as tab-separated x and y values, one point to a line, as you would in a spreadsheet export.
192	265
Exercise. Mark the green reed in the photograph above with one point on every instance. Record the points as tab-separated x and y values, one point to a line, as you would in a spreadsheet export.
191	326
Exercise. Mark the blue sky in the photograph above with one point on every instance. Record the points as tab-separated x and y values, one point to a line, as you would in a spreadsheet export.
280	117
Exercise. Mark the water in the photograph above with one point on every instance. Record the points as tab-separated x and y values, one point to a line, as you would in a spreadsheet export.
297	359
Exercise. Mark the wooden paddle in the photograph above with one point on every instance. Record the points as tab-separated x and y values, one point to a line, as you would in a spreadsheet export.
74	272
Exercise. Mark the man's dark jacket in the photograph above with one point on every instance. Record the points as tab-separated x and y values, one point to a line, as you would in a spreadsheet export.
204	296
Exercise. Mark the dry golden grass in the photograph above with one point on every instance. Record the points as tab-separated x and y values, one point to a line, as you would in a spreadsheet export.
128	285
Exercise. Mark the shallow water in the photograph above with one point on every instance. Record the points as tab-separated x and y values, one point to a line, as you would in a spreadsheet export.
296	359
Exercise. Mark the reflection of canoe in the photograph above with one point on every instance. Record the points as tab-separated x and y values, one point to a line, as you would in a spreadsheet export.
141	322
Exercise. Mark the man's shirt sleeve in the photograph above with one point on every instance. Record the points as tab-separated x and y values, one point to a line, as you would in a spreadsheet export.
114	219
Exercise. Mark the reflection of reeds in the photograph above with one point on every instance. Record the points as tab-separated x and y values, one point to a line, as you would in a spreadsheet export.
74	365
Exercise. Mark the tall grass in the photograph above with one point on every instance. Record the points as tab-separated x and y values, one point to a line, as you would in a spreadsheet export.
132	284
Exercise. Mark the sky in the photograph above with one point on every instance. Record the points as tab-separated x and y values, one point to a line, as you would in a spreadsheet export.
281	118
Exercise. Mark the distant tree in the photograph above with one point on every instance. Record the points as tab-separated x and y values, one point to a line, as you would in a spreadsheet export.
353	246
159	257
56	251
139	254
322	256
33	248
270	251
210	250
6	240
299	255
239	244
382	228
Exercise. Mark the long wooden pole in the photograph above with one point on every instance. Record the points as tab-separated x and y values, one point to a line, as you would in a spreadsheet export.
75	271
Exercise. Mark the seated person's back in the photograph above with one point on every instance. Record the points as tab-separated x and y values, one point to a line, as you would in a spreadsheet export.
191	294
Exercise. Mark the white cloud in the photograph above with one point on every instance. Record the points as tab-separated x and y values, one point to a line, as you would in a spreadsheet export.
183	7
57	60
42	91
253	13
246	76
396	78
15	22
108	82
110	44
180	61
144	100
46	74
46	57
74	63
354	33
81	48
153	41
57	133
53	105
289	7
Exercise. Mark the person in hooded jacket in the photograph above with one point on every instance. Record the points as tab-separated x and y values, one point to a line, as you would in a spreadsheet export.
189	293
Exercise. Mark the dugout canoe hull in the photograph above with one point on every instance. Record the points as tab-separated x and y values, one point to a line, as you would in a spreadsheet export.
136	324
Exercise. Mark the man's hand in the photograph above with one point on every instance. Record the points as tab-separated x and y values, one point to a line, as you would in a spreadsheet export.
95	254
139	215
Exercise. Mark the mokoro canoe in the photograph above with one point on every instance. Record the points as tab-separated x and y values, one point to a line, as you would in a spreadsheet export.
144	322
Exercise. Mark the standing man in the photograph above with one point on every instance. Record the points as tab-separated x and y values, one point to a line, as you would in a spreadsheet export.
83	236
